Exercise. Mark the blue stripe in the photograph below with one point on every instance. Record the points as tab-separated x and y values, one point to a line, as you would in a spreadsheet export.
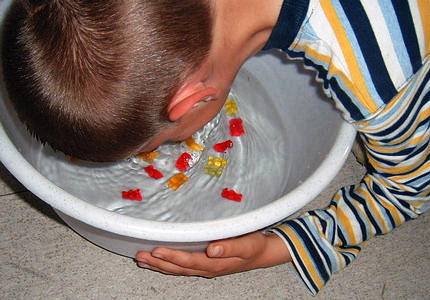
301	266
312	235
420	182
375	189
396	36
379	191
290	20
369	214
414	118
331	222
375	97
398	105
342	237
370	49
312	250
425	185
343	98
356	214
345	256
402	152
407	27
410	108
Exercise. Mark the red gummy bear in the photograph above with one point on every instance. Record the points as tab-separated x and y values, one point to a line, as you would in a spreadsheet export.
182	164
153	172
231	195
236	127
134	195
223	146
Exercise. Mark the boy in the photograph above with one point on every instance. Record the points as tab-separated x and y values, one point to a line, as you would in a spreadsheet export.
373	60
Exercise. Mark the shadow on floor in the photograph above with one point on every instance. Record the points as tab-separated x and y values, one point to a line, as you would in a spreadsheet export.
11	182
35	202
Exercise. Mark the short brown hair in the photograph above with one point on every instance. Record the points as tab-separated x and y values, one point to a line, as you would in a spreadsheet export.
93	78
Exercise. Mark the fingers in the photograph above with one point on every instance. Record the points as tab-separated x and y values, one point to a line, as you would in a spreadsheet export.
177	262
193	260
166	267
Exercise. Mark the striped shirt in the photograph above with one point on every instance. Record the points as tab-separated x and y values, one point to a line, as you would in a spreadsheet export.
373	59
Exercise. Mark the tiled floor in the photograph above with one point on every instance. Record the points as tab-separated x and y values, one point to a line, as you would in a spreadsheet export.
41	258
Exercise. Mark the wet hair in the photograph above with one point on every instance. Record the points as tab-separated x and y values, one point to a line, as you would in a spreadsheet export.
92	78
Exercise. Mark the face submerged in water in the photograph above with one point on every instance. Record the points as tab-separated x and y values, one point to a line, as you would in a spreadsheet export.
196	104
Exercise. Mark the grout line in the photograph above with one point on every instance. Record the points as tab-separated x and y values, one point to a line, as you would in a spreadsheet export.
14	193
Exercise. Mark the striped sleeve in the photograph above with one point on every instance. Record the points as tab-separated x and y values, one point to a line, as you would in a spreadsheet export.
364	51
395	189
373	58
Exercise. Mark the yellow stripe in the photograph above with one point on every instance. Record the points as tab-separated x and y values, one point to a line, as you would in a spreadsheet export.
399	169
398	219
350	58
422	116
390	170
388	205
413	142
424	6
304	256
347	225
412	87
351	250
406	135
394	212
367	127
333	71
376	213
424	168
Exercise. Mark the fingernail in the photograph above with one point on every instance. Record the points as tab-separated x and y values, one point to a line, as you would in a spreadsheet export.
216	251
142	261
157	255
145	266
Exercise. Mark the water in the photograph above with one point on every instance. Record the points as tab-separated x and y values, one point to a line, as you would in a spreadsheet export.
257	168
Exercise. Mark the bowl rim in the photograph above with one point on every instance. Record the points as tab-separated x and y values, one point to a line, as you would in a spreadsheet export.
201	231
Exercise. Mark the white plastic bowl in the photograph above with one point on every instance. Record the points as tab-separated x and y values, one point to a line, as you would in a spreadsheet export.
321	141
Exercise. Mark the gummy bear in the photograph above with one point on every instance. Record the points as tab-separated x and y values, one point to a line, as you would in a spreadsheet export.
153	172
192	145
149	157
223	146
176	181
236	127
215	165
231	195
134	195
230	107
183	162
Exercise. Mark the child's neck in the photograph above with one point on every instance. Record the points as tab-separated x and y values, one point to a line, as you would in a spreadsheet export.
244	26
241	28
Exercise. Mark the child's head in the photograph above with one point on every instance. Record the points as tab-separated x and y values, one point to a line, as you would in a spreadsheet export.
94	78
103	79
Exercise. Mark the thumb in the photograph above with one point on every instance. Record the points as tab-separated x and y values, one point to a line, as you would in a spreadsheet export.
236	247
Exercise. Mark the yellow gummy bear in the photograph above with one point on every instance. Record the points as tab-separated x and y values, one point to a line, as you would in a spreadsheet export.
149	157
191	143
231	107
215	165
176	181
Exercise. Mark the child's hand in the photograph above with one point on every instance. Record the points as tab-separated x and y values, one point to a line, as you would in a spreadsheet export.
251	251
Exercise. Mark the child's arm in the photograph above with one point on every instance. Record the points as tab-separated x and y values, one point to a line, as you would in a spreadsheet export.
251	251
321	242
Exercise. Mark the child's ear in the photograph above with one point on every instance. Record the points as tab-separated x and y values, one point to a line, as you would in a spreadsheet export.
186	98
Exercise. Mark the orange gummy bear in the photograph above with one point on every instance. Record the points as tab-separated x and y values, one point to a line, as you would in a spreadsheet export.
192	145
176	181
149	157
